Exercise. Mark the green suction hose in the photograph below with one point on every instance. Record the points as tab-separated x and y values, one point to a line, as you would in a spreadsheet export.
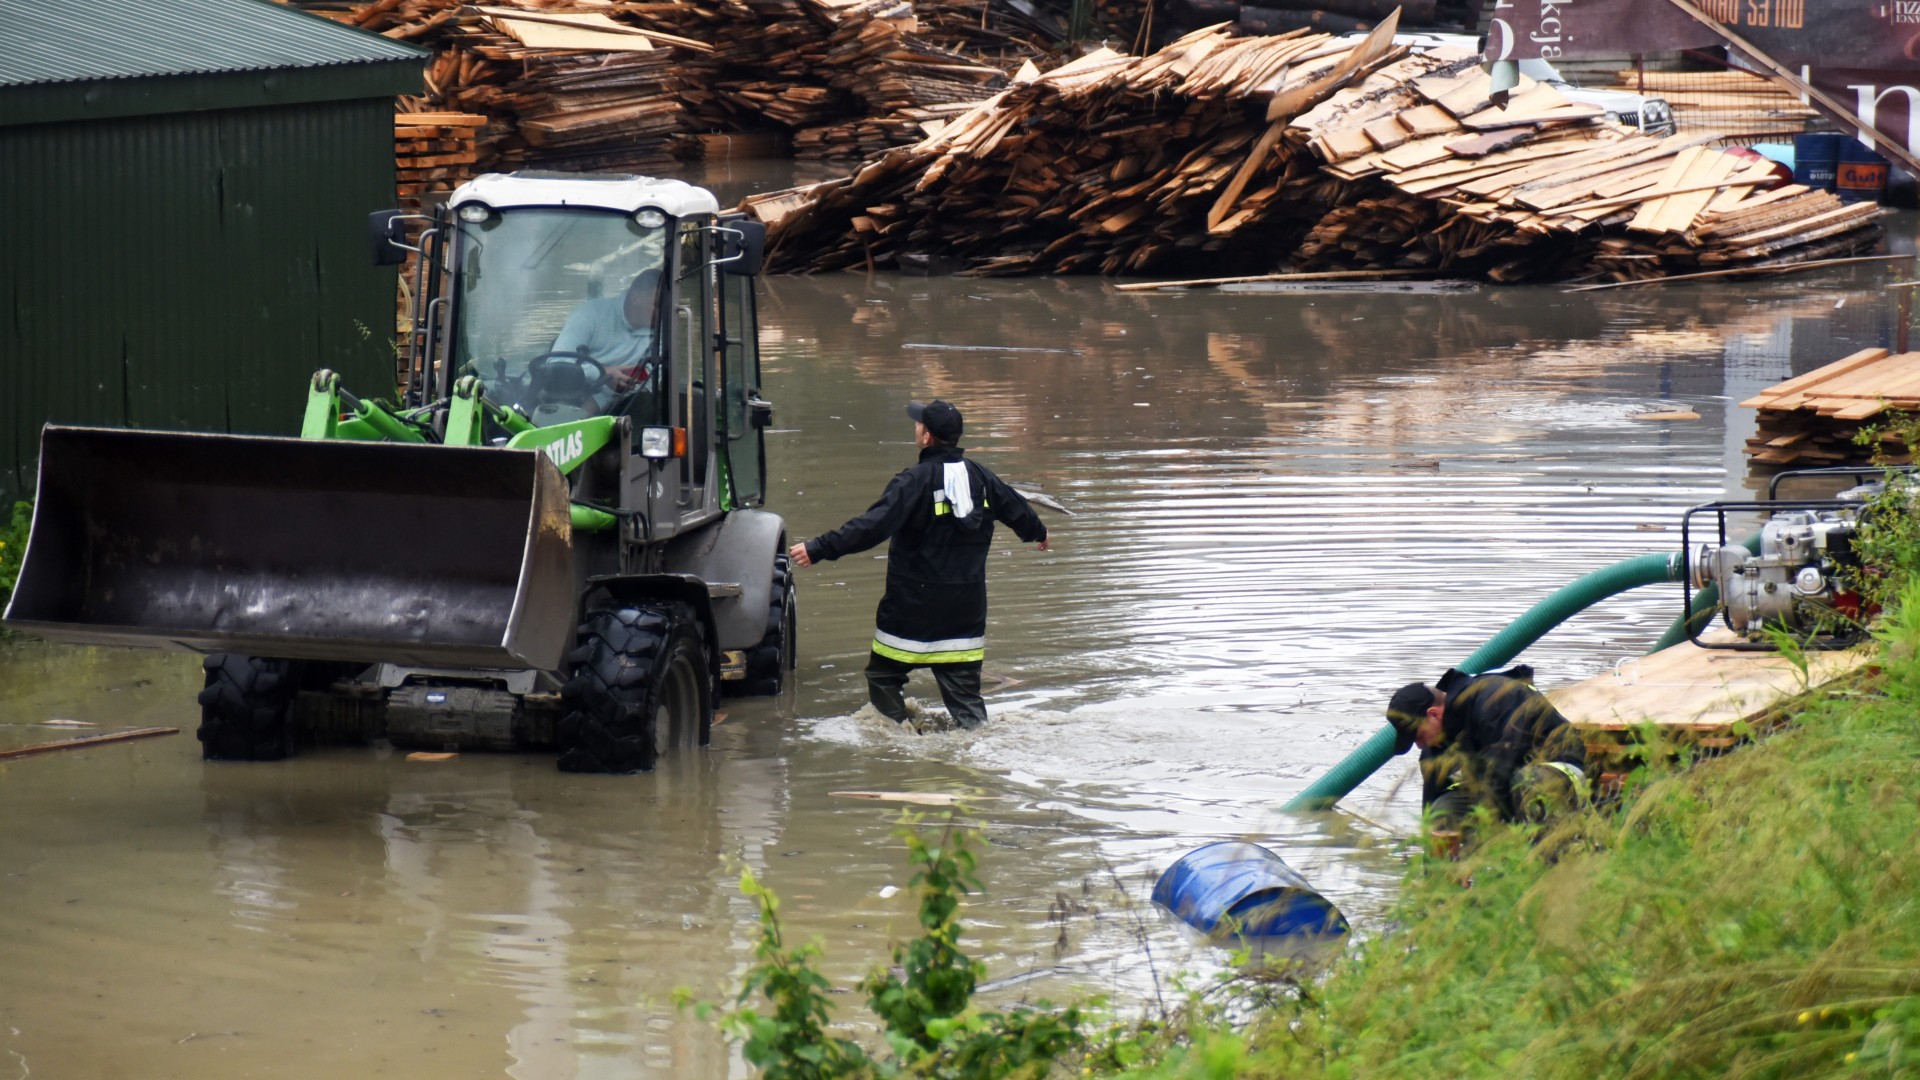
1504	646
1705	603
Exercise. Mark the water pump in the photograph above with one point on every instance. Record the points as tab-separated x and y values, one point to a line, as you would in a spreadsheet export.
1801	580
1800	574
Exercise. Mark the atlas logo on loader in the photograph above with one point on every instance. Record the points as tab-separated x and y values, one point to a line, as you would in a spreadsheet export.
563	451
457	575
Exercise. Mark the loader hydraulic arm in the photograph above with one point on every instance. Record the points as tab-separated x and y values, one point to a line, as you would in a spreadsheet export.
470	403
333	413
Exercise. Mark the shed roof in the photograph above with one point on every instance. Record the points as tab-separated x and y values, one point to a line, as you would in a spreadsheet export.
75	59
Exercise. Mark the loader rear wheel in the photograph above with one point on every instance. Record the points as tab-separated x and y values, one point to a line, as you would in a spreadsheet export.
641	686
769	662
245	708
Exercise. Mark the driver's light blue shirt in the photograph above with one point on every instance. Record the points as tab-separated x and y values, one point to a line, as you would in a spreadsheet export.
600	324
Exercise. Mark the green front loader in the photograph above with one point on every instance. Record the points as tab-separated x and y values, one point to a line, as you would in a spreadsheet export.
550	538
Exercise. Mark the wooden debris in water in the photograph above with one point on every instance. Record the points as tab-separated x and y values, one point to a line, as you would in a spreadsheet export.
1813	419
430	756
88	740
920	798
1317	153
1671	414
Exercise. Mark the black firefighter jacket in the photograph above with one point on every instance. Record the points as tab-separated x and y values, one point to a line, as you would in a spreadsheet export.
1491	726
935	608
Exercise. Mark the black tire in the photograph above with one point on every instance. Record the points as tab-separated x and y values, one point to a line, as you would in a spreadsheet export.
245	708
642	685
769	662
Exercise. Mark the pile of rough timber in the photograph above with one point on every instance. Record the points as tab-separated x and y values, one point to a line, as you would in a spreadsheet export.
1736	107
1225	154
432	153
1812	419
583	85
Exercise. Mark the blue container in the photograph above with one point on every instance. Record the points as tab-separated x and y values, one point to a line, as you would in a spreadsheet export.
1816	156
1239	890
1860	175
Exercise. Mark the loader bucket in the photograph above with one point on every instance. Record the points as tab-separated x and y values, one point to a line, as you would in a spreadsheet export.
424	555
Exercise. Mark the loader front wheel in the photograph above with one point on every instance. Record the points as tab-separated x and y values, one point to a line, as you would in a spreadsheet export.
641	686
769	662
245	708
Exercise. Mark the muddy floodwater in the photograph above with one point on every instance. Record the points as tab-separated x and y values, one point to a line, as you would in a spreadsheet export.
1286	504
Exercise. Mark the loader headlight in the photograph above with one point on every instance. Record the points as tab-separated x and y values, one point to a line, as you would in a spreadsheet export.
649	218
474	213
663	442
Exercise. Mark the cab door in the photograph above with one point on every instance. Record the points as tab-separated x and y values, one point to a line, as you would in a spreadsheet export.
745	415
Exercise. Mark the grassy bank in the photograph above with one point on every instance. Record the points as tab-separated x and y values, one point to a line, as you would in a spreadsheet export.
1753	915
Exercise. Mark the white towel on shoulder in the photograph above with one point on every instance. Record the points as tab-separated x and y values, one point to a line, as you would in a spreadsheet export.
958	490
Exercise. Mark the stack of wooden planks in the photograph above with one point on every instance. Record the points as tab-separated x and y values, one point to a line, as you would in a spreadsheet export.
1233	155
1707	699
432	153
1735	107
1813	419
604	85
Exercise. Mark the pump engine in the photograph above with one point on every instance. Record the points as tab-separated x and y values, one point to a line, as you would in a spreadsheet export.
1802	578
1801	573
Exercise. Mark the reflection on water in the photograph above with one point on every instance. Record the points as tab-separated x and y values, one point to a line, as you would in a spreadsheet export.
1286	504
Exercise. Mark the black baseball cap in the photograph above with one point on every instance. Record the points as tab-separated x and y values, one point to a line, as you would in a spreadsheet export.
942	420
1405	710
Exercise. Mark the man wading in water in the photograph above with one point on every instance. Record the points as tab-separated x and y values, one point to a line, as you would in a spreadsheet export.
940	516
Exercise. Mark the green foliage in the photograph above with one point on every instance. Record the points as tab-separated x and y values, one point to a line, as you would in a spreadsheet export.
932	1028
13	545
792	1043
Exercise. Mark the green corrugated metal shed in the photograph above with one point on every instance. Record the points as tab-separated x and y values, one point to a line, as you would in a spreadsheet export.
187	188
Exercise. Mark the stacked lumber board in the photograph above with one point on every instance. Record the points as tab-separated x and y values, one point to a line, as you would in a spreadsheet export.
433	153
578	84
1735	107
1313	152
1813	419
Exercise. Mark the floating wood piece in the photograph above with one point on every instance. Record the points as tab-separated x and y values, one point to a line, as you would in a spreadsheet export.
920	798
88	740
1777	269
1323	275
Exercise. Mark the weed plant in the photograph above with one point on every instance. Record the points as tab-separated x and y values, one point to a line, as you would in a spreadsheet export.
932	1028
13	545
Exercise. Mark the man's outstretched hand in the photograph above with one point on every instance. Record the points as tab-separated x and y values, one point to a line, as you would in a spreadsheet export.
797	554
1044	545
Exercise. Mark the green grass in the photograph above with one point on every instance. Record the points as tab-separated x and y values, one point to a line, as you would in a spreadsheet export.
1755	915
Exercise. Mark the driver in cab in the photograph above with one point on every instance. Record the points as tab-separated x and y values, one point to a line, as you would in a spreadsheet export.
616	332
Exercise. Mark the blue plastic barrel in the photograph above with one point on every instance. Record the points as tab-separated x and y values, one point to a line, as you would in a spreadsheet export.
1816	156
1234	889
1860	174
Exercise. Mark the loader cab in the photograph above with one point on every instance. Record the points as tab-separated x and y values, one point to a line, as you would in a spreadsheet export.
575	296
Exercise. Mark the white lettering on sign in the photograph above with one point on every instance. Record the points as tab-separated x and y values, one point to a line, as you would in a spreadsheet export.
562	451
1867	98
